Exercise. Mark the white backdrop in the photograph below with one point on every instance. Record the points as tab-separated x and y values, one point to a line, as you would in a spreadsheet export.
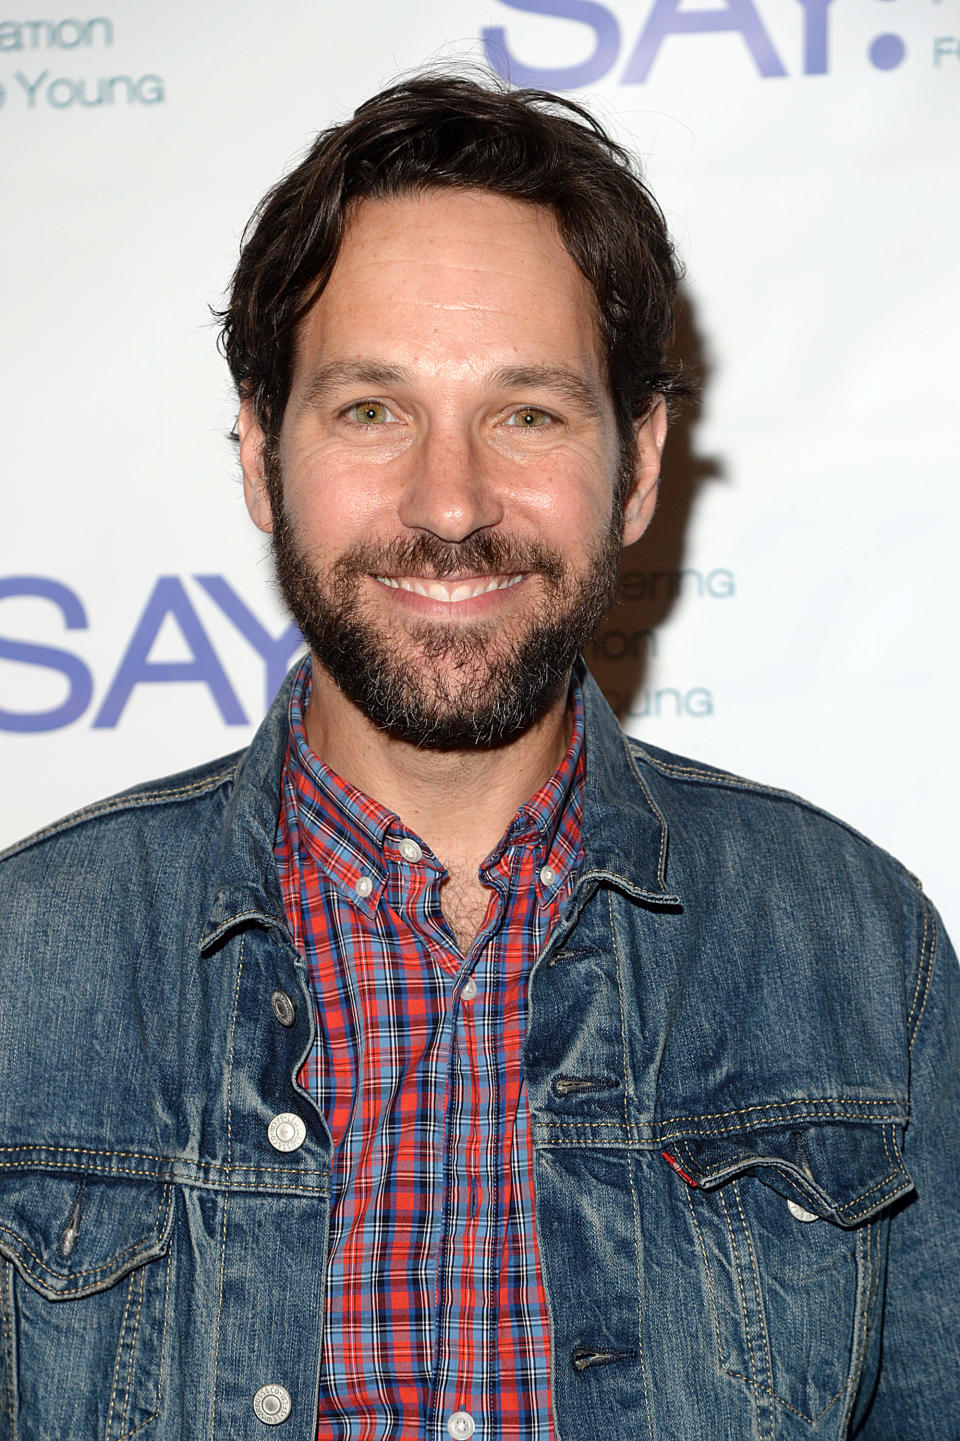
792	610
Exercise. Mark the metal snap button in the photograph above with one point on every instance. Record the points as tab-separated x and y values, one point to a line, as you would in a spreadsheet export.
547	875
469	991
461	1425
410	850
800	1213
272	1405
286	1132
283	1008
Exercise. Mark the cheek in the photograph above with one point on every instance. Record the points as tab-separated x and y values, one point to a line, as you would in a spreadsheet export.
330	497
572	511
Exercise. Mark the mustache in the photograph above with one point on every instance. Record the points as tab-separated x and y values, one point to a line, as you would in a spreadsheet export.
433	558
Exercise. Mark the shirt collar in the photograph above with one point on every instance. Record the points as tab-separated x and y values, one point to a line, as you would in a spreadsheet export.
625	801
353	835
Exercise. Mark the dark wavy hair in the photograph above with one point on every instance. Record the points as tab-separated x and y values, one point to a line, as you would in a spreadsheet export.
449	131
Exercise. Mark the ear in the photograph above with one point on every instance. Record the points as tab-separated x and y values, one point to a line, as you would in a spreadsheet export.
255	491
650	435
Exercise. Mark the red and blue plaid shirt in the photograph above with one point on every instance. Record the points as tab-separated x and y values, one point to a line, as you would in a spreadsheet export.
434	1301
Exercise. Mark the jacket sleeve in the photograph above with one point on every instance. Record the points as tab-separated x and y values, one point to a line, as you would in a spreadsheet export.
918	1390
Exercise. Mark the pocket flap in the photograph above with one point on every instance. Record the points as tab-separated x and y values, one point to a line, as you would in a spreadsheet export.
71	1235
843	1171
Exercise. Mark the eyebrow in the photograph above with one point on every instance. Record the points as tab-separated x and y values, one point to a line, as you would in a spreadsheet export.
557	378
353	372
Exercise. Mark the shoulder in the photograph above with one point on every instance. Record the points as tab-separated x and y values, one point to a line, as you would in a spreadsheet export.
168	805
778	831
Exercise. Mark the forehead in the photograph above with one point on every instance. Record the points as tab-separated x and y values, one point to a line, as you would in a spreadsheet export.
456	276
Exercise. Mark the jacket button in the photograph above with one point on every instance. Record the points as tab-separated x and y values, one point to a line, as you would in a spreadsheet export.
272	1405
461	1426
800	1213
286	1132
283	1008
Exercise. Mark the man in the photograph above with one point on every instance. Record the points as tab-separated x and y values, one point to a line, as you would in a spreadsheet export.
447	1063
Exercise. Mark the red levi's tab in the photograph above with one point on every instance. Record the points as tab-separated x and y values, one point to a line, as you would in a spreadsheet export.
676	1166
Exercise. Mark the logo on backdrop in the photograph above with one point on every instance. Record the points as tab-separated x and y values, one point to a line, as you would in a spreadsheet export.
39	81
169	601
636	43
617	653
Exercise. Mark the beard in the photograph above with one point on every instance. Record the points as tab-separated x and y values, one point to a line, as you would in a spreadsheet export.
436	684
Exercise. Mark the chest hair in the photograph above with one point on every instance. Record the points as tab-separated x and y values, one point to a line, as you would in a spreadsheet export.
464	903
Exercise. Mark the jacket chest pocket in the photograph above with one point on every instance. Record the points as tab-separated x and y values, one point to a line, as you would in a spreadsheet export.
789	1225
83	1301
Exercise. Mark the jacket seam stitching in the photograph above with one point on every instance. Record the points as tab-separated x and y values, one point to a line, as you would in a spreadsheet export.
141	1276
920	967
739	1376
107	1265
712	1295
726	780
630	1177
695	1132
743	1297
761	1313
9	1348
929	959
68	1151
163	1346
121	803
662	857
117	1363
226	1199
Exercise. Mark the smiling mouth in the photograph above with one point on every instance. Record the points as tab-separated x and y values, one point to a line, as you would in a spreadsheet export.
450	591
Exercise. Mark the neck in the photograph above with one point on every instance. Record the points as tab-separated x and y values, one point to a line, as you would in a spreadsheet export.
460	802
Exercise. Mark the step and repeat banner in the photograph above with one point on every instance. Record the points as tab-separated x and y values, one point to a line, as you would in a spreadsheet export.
791	614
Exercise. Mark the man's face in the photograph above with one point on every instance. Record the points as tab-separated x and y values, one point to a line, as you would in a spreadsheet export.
441	492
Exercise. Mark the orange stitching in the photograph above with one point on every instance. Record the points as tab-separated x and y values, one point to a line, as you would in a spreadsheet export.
141	1244
920	964
707	1272
112	805
629	1165
761	1315
926	994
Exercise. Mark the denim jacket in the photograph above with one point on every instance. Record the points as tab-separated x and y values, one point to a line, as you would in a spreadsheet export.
742	1069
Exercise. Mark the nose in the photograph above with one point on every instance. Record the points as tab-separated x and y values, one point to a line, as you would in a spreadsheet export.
451	490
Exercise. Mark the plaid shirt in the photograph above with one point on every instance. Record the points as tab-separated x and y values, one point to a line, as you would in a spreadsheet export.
434	1302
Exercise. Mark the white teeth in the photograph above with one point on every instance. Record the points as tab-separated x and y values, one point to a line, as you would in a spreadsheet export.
449	591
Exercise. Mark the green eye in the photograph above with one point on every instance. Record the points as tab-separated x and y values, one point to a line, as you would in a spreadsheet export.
529	418
369	412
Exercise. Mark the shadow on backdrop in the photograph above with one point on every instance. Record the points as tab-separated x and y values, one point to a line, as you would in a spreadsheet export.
653	573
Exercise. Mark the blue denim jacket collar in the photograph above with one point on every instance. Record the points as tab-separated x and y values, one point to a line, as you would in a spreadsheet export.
624	830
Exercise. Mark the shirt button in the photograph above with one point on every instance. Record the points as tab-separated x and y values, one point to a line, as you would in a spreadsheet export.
461	1425
410	850
283	1008
364	886
271	1405
286	1132
547	875
469	990
800	1213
